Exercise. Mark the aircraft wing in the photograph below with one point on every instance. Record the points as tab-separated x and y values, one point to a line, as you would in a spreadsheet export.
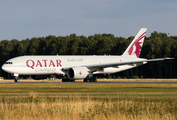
101	66
125	63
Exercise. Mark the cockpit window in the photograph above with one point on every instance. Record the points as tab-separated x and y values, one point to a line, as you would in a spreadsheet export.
8	63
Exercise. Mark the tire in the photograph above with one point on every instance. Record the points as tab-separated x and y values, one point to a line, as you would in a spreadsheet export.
92	79
63	80
16	79
85	80
67	80
71	81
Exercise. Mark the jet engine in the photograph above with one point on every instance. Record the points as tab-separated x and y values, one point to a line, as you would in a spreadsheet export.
77	73
39	77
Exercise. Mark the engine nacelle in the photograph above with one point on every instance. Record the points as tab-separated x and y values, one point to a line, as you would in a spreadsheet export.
39	77
77	73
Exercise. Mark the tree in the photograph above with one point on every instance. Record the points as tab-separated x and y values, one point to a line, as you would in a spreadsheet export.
158	45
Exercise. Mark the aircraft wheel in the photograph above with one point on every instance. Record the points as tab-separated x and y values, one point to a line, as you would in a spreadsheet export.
64	80
16	79
67	80
71	81
86	80
93	79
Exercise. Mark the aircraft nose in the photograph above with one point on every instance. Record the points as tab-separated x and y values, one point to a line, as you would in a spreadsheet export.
4	68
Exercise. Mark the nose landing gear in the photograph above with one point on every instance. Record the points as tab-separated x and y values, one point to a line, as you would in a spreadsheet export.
16	79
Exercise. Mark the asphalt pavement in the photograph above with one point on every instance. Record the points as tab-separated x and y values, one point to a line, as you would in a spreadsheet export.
170	82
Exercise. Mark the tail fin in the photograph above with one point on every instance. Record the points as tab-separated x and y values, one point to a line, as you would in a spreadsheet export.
134	49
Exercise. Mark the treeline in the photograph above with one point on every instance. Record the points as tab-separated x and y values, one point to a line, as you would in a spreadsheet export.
158	45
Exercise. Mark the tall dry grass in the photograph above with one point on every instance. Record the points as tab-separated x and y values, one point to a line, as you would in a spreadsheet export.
78	108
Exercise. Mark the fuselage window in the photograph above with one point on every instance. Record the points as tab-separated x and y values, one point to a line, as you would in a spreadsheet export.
8	63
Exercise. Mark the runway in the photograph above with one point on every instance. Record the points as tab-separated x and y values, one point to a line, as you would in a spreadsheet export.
170	82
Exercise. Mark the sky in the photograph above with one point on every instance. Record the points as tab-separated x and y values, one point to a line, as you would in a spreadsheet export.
22	19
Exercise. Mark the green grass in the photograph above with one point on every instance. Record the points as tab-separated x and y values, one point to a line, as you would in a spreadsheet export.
87	101
99	90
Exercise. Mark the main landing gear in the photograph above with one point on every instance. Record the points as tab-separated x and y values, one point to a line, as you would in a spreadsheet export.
90	78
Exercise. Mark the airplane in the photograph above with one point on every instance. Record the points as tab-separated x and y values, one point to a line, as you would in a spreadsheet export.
75	67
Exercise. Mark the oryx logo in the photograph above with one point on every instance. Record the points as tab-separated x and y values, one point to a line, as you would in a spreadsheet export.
138	46
80	73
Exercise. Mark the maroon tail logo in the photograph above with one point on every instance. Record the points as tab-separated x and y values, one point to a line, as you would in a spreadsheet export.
137	45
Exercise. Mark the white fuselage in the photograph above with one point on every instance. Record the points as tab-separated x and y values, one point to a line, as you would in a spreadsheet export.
41	65
78	67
